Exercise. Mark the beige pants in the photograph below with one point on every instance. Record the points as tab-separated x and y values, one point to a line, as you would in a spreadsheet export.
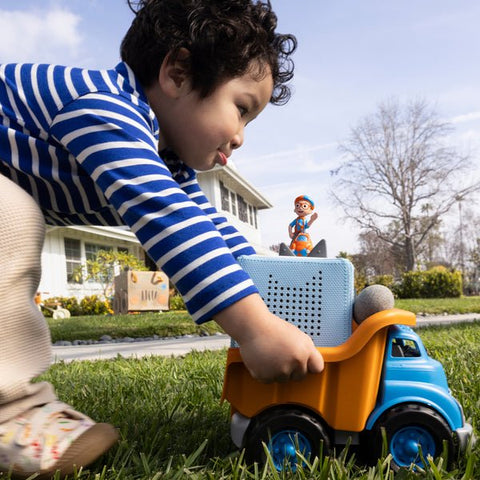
25	347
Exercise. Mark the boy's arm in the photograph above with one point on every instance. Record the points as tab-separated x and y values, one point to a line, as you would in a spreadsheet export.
117	150
236	242
272	349
120	154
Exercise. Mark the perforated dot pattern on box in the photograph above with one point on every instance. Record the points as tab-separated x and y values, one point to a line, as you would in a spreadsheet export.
315	294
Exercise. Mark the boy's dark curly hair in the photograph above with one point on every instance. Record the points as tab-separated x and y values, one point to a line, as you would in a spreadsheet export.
222	36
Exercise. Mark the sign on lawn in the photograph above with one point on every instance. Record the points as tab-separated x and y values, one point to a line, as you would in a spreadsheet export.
137	291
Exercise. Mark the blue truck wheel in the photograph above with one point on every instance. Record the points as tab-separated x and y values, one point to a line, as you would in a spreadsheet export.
405	445
285	431
284	445
413	431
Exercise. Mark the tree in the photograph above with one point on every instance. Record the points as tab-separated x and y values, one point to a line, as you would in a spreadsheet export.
430	250
101	269
463	246
399	176
377	256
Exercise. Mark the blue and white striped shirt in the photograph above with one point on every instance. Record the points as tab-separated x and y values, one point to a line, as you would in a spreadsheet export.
83	143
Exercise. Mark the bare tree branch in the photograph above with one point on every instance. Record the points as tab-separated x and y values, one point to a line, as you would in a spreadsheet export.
395	162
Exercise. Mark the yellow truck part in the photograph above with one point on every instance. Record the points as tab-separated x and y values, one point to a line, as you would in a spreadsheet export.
344	394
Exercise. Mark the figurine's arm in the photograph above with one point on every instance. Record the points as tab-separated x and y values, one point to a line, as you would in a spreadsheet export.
312	218
291	230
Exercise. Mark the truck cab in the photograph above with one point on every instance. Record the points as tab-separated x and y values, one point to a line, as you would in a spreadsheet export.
378	379
410	375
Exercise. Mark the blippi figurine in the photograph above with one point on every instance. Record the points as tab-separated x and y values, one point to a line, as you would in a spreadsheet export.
301	244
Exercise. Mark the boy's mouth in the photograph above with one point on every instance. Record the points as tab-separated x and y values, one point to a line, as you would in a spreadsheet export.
223	159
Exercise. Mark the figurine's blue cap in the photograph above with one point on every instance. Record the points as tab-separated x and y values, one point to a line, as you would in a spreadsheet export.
306	198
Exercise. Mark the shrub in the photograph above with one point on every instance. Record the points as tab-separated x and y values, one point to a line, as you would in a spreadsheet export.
385	280
70	303
360	281
410	286
90	305
94	305
177	303
438	282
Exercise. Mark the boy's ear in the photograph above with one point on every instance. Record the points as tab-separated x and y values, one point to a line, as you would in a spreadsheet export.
174	76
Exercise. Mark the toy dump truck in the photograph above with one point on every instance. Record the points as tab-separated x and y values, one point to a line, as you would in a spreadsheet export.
378	377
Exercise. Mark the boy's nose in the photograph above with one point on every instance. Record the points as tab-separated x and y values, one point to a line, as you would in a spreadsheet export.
237	140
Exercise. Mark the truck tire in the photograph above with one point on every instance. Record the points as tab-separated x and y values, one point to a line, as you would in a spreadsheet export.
285	431
407	427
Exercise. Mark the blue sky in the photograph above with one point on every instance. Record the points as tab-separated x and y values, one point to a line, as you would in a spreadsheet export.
351	56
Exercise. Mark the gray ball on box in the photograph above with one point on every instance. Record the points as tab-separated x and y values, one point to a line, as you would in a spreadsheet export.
370	300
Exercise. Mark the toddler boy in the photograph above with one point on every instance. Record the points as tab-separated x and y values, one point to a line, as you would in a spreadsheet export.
81	147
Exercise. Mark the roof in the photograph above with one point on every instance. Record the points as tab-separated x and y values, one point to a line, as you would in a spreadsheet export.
119	233
230	177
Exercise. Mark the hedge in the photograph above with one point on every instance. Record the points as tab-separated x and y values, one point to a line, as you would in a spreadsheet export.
437	282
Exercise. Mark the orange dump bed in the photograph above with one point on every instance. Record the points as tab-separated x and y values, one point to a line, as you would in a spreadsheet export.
344	394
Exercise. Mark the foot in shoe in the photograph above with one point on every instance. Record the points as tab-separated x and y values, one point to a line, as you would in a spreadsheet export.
52	437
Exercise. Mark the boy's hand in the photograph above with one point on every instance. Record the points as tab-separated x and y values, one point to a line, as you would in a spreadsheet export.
272	349
281	353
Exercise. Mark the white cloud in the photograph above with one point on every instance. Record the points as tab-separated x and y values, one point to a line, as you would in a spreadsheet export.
296	151
467	117
301	161
50	36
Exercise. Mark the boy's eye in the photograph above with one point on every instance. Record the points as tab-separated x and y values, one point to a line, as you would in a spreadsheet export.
243	110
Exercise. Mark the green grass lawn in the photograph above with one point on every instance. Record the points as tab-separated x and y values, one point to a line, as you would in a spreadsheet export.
179	323
438	306
166	324
172	425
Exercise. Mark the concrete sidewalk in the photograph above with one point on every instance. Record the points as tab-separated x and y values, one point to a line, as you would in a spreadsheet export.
167	348
446	319
182	346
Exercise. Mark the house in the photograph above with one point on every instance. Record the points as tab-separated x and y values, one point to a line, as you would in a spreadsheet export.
66	248
233	196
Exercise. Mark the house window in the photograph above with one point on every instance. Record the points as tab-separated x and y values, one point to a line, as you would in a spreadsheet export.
91	250
242	209
73	255
225	197
233	201
235	204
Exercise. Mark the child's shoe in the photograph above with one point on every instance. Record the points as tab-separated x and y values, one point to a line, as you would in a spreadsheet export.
50	438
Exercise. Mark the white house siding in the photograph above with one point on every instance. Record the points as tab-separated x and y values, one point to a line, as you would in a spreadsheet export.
54	265
54	272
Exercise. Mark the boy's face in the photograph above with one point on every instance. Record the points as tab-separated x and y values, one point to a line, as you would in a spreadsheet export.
203	132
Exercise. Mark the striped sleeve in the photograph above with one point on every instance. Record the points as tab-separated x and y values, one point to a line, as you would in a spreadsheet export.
236	242
114	145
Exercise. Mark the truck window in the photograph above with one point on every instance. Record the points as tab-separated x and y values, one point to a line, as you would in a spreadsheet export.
402	347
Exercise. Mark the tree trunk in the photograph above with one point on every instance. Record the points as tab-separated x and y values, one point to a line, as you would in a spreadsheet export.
409	254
